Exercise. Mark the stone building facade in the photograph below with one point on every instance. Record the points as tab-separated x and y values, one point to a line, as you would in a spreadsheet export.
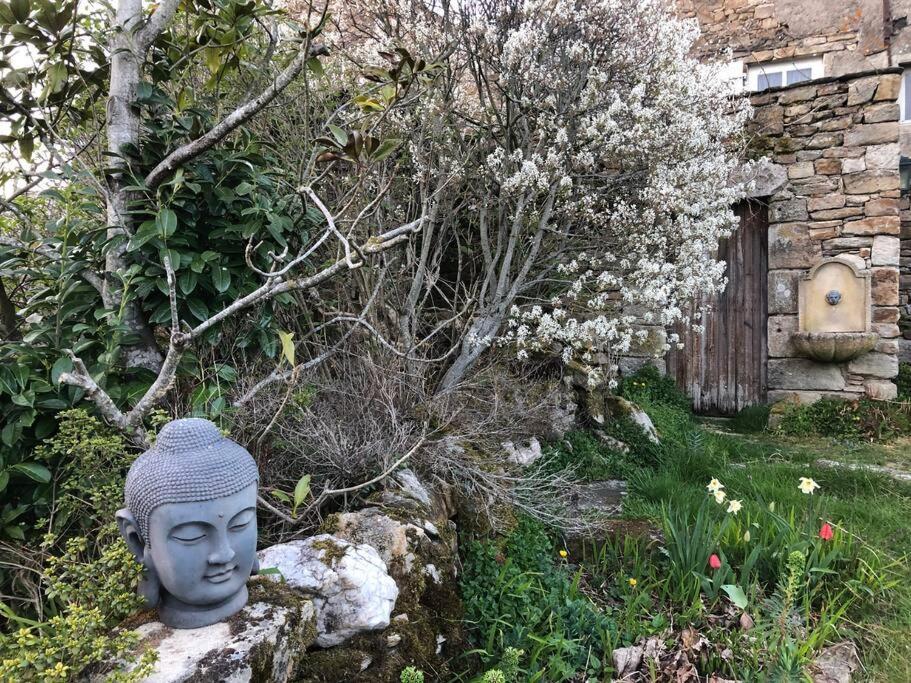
838	139
836	133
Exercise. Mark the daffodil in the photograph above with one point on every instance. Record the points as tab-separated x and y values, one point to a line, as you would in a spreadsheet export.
719	496
746	536
714	486
633	582
734	506
807	485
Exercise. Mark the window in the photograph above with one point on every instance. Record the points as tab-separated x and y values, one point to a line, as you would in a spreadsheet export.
904	98
904	170
778	74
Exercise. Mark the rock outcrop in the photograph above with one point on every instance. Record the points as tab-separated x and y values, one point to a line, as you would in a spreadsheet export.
264	642
348	583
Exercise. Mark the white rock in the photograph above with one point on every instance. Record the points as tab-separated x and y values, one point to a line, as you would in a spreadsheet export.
523	454
349	585
412	487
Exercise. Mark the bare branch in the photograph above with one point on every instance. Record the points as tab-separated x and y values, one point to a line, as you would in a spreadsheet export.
236	118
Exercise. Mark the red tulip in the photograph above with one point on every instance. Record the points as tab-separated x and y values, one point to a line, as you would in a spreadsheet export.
714	562
826	533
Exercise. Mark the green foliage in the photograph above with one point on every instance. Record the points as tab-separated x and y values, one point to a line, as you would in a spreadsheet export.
903	381
411	674
589	458
73	513
861	419
517	596
94	593
751	419
648	385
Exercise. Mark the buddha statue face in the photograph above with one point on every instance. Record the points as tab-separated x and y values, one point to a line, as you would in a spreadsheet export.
191	521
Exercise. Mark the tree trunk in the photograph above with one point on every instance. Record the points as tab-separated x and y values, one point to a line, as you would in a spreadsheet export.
123	128
475	343
8	325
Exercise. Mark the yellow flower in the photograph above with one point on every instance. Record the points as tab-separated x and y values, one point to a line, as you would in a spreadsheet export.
719	496
807	485
714	486
563	554
734	506
632	583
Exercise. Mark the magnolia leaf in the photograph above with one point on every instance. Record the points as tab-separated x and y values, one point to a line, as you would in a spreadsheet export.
302	490
287	339
736	595
316	66
33	470
387	147
341	137
166	222
221	278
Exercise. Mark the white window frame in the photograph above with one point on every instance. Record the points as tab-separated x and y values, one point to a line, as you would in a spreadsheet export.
754	71
904	115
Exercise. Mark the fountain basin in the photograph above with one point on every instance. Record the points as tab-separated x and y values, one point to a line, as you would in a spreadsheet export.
834	347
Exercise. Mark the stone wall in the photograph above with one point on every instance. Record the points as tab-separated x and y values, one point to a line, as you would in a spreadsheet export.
850	35
838	139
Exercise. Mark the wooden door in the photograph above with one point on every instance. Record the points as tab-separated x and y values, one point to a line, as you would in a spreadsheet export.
723	368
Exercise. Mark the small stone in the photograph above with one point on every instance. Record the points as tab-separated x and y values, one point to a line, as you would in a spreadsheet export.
393	639
881	112
849	165
883	157
802	169
875	225
881	390
888	89
400	618
523	454
875	364
783	291
871	181
862	90
881	206
828	166
788	210
829	201
803	374
871	134
884	288
886	251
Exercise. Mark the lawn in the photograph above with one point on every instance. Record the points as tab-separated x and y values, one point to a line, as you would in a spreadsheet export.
683	572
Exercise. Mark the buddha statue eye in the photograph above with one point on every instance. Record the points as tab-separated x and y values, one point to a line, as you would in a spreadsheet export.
188	533
242	519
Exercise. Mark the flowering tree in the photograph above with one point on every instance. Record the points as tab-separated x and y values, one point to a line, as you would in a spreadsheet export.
608	177
595	157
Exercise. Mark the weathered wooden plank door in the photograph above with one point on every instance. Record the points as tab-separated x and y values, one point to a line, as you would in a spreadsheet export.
723	367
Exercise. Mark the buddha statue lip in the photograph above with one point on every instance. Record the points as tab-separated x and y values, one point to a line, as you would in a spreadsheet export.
190	519
221	576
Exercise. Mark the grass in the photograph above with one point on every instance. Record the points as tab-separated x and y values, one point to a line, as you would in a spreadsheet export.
758	467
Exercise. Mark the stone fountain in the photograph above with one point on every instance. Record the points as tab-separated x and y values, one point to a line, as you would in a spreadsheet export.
834	312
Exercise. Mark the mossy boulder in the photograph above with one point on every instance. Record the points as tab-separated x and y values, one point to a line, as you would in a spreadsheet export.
263	642
410	528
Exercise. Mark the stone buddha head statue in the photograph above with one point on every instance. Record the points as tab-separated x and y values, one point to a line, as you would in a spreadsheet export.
190	520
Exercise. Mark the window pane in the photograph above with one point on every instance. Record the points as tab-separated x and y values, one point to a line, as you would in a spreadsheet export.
769	80
799	75
906	113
